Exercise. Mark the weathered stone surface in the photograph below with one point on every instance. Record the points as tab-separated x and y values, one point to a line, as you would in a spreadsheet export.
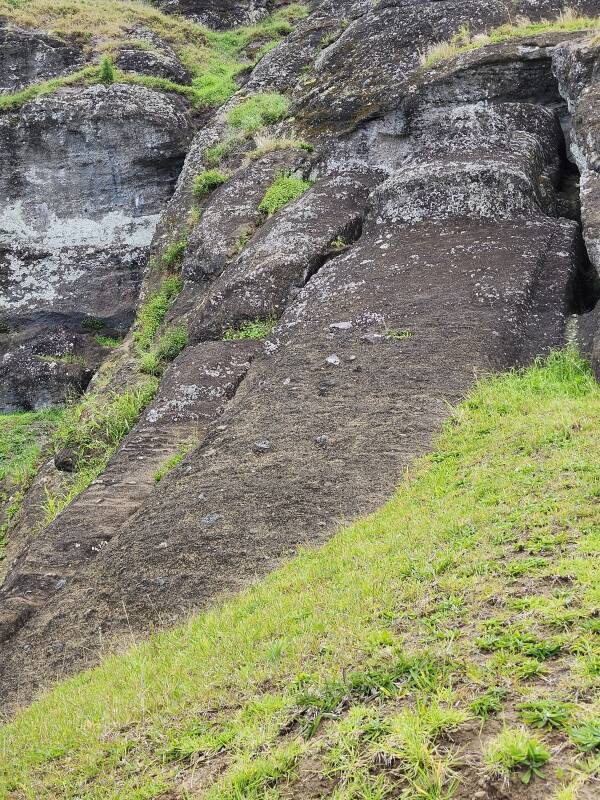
30	383
219	13
448	186
28	57
194	392
589	338
156	58
283	255
84	175
232	215
106	157
577	67
374	56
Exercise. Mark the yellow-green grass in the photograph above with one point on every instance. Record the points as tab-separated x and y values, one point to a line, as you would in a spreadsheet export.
357	662
251	329
92	429
213	58
463	41
22	439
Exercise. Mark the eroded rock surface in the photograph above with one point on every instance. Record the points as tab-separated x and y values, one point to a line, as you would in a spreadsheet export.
219	13
440	238
84	175
27	57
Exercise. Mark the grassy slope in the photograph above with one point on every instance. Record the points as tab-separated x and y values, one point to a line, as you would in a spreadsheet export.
213	58
463	41
22	436
390	659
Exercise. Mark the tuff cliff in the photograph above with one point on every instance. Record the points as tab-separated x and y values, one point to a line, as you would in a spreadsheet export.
434	214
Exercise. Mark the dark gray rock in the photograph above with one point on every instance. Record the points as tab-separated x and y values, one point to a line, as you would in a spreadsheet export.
28	57
589	338
83	174
232	215
577	66
219	13
154	58
284	253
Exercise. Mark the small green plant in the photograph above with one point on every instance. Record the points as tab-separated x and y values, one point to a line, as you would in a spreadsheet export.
282	191
257	111
513	640
106	72
255	329
586	736
339	243
108	341
174	460
252	778
174	253
490	702
206	182
215	154
397	334
516	750
168	347
241	242
545	713
330	38
154	310
92	324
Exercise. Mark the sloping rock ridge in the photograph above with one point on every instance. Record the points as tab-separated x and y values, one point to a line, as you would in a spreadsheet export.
446	223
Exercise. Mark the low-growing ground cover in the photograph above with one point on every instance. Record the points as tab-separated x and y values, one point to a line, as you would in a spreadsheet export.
463	41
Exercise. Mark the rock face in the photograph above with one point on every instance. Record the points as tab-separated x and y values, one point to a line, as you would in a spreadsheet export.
220	13
28	57
84	175
440	238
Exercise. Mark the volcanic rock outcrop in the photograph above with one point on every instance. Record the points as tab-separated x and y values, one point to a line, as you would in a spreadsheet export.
441	237
84	175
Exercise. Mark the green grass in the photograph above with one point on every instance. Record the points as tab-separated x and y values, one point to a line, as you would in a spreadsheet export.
266	145
108	341
173	254
254	329
213	58
463	40
215	154
154	310
167	348
545	713
517	749
93	429
359	661
174	460
282	191
259	110
206	182
23	436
